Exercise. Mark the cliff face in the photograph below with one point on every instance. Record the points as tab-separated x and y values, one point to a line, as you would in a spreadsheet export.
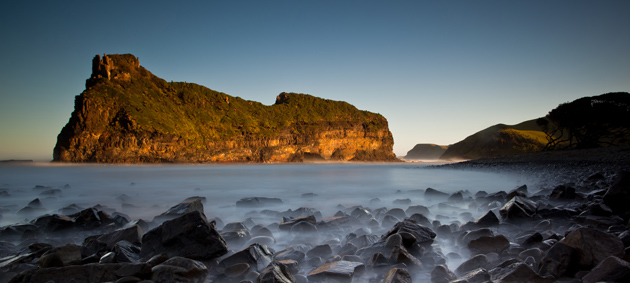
128	115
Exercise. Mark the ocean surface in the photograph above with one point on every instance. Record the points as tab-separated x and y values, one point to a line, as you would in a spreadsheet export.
144	191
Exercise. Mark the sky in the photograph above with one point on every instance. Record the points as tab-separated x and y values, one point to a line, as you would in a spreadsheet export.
439	71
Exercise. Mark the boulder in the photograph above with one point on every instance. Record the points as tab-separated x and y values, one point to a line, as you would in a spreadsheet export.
484	245
611	269
520	272
287	223
61	256
276	272
479	275
563	192
338	271
618	195
132	234
92	272
441	274
475	234
475	262
517	208
397	275
487	220
189	236
411	233
593	246
432	194
179	269
257	256
180	209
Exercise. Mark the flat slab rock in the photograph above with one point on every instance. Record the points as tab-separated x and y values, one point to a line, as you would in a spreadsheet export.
338	271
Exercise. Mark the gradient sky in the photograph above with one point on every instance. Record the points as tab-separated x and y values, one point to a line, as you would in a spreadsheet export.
437	70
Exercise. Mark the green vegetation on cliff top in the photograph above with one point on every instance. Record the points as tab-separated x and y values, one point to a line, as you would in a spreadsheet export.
146	103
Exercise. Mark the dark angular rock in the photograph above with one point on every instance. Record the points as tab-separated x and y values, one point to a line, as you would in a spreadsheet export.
559	260
61	256
181	209
411	233
618	195
397	212
475	234
179	269
593	246
432	194
338	271
93	272
487	220
126	252
484	245
479	275
456	197
290	253
287	223
258	202
441	274
323	251
421	209
276	272
517	208
189	235
611	269
54	223
563	192
519	272
475	262
397	275
131	234
91	218
257	256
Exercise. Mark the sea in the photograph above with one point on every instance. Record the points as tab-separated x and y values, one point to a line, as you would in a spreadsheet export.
144	191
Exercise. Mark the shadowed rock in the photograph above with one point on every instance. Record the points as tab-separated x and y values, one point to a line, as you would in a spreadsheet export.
397	275
276	272
189	235
181	209
618	195
257	256
611	269
593	246
338	271
179	269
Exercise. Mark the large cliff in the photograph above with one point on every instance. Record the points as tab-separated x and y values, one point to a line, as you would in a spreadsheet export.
128	115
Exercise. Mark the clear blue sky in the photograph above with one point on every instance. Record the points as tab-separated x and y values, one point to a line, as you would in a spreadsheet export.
437	70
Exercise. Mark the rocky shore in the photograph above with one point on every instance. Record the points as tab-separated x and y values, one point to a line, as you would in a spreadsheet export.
573	226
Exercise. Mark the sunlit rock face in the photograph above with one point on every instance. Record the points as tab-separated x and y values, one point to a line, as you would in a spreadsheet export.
128	115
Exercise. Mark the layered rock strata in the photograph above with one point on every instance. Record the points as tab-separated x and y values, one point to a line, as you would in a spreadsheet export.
128	115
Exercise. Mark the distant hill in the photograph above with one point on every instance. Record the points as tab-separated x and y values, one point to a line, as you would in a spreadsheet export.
499	140
127	115
426	151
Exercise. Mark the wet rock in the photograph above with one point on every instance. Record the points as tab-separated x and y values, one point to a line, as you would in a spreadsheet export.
290	253
109	257
131	234
433	194
126	252
304	228
258	202
475	234
276	272
7	248
287	223
441	274
323	251
475	262
593	246
262	240
389	221
484	245
530	240
338	271
611	269
476	276
61	256
397	212
421	209
202	199
397	275
518	208
487	220
257	256
411	233
518	272
93	272
559	260
456	197
618	195
54	223
91	218
71	209
181	209
420	219
179	269
563	192
399	254
189	235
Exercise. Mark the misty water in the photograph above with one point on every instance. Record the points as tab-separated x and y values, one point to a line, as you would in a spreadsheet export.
145	191
148	190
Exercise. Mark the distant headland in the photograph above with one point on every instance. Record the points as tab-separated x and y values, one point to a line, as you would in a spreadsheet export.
128	115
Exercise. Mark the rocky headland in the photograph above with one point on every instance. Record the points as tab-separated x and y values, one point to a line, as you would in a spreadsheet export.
425	151
573	226
128	115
